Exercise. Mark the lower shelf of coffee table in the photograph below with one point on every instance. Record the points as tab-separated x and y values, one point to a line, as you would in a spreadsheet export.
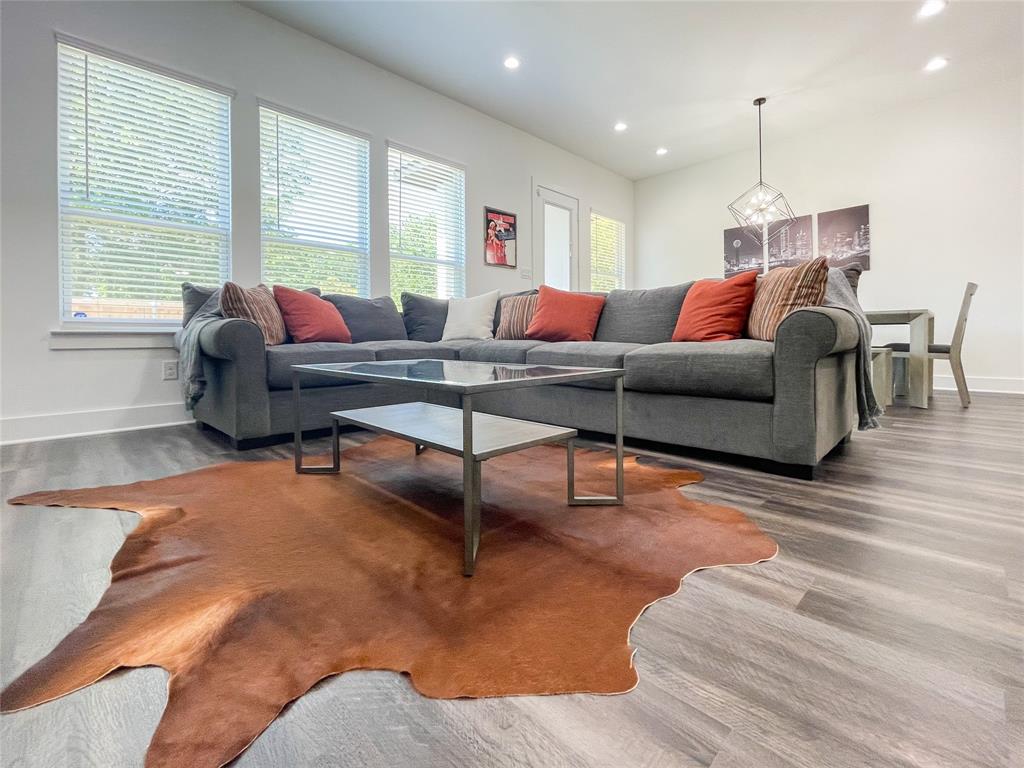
440	427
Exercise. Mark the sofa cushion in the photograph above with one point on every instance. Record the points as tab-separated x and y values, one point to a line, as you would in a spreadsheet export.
424	316
281	357
741	369
498	350
257	305
471	317
497	308
645	316
410	350
783	291
369	319
588	354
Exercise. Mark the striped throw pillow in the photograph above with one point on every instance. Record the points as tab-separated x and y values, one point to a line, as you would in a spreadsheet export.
516	313
256	305
782	291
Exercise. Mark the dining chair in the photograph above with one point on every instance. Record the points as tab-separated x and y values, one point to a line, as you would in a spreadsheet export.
950	352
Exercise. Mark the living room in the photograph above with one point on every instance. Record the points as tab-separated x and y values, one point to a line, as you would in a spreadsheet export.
270	271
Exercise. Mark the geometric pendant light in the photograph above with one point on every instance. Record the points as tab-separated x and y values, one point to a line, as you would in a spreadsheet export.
762	210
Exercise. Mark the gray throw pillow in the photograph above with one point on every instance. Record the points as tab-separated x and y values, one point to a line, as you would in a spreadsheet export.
370	319
424	316
192	298
853	273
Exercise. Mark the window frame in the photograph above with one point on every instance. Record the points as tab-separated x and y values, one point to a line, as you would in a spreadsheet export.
262	104
434	158
100	325
590	256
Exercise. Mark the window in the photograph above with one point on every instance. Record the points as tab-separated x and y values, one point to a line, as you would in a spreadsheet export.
607	253
144	188
427	226
315	205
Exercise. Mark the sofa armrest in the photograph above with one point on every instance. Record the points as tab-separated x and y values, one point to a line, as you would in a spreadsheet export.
813	400
232	339
237	400
816	332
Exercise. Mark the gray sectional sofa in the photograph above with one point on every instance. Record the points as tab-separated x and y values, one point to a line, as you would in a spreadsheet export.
788	402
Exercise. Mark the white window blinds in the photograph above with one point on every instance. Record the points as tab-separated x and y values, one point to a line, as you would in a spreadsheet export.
144	177
607	253
315	205
427	226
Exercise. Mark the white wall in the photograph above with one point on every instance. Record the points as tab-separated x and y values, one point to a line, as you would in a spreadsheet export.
943	179
48	392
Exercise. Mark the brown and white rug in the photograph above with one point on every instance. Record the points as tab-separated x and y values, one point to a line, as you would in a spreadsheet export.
249	583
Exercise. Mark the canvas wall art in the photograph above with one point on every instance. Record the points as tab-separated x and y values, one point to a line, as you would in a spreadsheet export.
741	252
844	237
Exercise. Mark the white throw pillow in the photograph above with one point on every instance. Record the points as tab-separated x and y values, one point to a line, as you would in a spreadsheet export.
471	318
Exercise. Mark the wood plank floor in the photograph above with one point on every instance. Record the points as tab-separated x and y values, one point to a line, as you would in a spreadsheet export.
888	632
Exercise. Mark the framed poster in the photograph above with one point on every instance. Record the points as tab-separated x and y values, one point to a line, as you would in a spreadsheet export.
844	237
499	238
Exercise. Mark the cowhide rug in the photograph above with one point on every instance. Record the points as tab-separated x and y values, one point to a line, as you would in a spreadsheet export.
249	583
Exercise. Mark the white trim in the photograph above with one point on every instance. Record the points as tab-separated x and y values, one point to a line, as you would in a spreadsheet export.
112	338
57	426
124	58
1001	384
322	122
406	149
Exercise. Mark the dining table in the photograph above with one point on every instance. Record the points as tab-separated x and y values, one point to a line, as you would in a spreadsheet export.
921	323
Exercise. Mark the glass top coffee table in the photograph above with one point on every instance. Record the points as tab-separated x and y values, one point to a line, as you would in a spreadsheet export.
463	432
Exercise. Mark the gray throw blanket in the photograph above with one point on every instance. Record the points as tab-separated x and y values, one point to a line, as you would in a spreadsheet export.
193	381
840	295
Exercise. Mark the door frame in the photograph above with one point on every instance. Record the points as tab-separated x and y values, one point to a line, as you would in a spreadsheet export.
544	193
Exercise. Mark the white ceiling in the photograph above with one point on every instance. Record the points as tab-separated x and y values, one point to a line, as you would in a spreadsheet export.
681	74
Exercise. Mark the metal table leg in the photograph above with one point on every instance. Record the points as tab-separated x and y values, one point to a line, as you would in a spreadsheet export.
470	490
319	469
620	473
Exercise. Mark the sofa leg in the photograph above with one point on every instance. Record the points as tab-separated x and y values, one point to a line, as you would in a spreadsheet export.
846	438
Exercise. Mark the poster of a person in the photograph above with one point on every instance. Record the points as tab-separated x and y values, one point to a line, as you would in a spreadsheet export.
499	238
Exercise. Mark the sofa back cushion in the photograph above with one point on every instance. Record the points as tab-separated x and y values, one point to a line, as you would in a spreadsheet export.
309	318
646	316
370	319
716	310
424	316
564	315
782	291
256	305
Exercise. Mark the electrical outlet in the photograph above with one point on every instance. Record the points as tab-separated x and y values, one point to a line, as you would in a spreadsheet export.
525	274
170	369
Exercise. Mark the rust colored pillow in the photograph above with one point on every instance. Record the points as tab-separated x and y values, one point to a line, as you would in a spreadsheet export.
309	318
785	290
716	310
256	305
564	315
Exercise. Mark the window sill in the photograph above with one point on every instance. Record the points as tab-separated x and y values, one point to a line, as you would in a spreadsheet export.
112	338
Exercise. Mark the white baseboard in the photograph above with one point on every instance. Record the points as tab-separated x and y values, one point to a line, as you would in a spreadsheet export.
983	383
54	426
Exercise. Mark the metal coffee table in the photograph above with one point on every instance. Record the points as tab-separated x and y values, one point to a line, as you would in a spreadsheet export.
463	432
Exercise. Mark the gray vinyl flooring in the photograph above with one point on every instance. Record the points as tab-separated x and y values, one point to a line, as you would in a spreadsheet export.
888	632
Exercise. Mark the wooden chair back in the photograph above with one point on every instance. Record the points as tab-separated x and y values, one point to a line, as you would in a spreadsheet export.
961	321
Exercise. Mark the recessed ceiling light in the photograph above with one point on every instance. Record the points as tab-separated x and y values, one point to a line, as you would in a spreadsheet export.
936	63
660	151
511	63
620	126
931	8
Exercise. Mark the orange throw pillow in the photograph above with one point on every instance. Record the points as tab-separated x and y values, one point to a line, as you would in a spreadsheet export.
716	310
783	291
310	318
564	315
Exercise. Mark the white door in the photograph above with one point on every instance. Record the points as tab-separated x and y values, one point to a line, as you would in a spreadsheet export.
556	237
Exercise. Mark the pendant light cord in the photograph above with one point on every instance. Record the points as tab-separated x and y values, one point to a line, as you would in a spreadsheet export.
760	171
